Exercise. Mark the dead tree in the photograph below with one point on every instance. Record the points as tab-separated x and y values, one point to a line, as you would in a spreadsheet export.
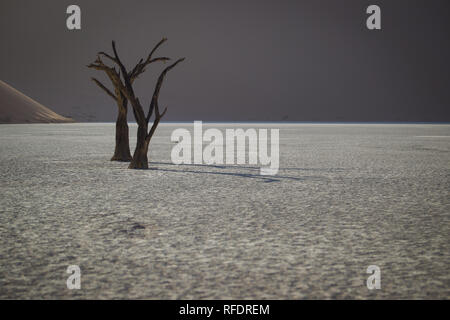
124	80
122	148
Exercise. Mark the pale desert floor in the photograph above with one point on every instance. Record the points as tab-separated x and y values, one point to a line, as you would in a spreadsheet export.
346	197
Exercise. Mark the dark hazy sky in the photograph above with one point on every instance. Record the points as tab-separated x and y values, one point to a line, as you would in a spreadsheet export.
245	60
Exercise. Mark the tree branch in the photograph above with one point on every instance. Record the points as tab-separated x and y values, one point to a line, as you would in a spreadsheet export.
156	47
112	95
135	69
140	67
107	56
154	101
128	89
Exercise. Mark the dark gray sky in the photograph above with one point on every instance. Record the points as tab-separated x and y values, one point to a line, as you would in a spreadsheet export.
246	60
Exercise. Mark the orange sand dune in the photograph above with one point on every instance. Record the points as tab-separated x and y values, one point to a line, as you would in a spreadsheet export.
15	107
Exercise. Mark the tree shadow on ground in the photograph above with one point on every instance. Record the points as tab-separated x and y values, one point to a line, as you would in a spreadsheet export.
256	175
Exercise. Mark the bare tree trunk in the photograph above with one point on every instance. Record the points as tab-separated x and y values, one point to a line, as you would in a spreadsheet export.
140	158
122	149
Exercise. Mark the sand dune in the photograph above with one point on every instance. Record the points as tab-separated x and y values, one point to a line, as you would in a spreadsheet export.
15	107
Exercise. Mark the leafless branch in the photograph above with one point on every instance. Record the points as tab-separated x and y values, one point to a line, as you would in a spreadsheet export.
112	95
154	101
128	89
140	67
